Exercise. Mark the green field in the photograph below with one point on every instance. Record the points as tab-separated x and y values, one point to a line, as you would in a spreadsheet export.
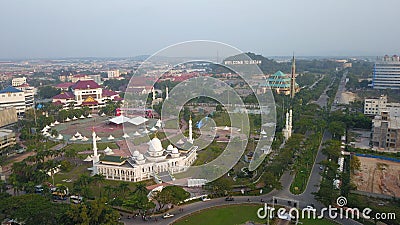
223	216
234	214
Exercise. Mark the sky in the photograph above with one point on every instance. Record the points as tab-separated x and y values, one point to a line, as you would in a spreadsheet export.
123	28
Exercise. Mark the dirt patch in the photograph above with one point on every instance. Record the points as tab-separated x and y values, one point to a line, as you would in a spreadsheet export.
378	176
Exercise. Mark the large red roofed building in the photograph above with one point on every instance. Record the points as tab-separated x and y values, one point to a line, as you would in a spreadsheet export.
86	93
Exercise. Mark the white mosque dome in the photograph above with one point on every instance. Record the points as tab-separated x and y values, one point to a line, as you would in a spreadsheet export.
155	145
170	147
175	151
136	153
140	157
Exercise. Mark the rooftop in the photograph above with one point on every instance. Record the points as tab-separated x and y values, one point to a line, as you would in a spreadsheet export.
86	84
10	89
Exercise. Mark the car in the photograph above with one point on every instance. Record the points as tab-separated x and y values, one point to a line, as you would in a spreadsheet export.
168	215
321	167
229	199
205	199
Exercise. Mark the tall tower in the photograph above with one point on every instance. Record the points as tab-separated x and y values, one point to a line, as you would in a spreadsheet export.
293	79
290	123
96	157
190	131
166	92
154	94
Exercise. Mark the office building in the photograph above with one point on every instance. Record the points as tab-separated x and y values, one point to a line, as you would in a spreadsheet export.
13	97
386	74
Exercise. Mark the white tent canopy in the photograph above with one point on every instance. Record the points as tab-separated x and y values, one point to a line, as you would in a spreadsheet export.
85	138
119	119
138	120
88	159
110	137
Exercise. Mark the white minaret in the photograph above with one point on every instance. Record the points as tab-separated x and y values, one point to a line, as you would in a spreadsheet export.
190	131
96	157
166	92
285	130
154	94
290	123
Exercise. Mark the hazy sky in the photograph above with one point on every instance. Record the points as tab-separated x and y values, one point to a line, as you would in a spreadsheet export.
101	28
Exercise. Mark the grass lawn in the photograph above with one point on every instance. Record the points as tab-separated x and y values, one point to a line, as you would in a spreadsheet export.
235	214
72	175
227	215
210	153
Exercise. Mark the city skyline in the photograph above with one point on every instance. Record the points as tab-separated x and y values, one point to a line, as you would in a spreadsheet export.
47	29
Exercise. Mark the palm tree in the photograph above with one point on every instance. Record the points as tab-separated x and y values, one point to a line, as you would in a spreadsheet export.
108	189
141	189
123	188
98	179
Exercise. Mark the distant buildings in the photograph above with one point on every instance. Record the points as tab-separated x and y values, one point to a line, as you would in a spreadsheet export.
375	106
386	73
85	93
77	77
283	83
112	74
18	81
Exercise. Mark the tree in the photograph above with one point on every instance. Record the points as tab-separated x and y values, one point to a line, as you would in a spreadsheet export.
138	202
99	179
48	92
33	209
355	164
93	212
171	195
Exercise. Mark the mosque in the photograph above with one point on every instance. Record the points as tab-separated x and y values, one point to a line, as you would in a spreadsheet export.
157	163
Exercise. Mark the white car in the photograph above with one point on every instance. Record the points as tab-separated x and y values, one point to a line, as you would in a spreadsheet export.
167	215
205	199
